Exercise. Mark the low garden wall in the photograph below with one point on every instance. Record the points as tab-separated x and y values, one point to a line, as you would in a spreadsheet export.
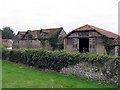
92	66
105	72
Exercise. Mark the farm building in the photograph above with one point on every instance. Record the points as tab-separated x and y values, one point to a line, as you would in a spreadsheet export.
51	39
89	38
117	46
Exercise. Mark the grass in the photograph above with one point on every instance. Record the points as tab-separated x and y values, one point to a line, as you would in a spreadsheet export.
20	76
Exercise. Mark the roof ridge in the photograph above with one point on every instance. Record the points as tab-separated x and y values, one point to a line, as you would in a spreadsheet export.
87	27
102	29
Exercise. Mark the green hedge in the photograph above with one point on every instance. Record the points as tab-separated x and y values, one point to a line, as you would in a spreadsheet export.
54	60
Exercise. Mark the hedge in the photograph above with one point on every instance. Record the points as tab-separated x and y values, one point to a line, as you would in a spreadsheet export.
54	60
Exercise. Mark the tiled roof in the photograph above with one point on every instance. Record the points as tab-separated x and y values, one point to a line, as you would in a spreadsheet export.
33	32
36	33
51	31
101	31
21	32
45	30
19	35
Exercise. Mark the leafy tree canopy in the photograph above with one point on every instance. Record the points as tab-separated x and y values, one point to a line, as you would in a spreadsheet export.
7	33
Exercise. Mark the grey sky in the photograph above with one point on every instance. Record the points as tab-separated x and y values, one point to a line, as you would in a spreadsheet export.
24	15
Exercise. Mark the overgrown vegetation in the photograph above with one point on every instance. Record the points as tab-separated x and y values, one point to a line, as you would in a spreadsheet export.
54	60
42	40
108	43
57	60
55	42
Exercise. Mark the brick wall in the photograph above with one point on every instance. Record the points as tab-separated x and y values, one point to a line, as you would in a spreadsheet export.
68	45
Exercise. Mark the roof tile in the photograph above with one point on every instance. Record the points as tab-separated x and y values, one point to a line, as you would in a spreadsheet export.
101	31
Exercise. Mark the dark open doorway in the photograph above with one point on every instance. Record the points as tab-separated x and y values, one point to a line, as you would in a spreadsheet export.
84	45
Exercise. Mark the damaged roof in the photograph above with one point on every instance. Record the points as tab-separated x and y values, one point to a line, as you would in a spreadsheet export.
52	31
36	33
99	30
19	35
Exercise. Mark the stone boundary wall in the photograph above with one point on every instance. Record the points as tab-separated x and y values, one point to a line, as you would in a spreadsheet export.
100	71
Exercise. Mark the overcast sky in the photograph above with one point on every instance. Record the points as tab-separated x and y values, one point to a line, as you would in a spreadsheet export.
23	15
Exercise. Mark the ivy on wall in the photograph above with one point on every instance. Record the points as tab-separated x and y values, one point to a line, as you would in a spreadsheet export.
42	40
60	44
108	43
54	41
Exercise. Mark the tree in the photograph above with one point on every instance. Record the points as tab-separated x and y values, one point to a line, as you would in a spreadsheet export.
7	33
0	32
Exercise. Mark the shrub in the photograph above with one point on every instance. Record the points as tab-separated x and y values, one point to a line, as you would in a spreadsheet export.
54	60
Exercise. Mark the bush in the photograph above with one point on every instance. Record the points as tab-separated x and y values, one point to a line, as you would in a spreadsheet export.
54	60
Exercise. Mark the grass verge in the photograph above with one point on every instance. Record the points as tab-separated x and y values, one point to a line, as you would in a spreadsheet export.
20	76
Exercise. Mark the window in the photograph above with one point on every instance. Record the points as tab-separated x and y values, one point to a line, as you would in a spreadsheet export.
42	34
94	43
29	36
74	45
74	42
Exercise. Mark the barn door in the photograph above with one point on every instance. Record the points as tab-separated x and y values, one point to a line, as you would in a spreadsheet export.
84	45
